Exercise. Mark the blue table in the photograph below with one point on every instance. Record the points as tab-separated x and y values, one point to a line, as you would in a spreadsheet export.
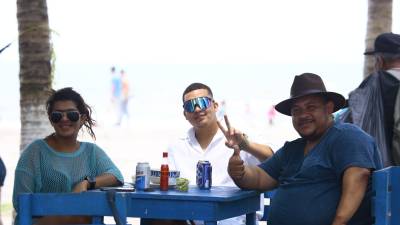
208	205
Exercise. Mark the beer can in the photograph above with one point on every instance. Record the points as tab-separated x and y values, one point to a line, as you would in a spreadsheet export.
204	174
142	180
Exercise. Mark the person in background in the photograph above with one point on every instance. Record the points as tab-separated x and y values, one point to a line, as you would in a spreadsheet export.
380	93
206	140
2	178
324	177
116	94
221	110
271	115
125	96
61	163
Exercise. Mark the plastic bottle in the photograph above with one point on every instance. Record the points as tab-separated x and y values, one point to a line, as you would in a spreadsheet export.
164	173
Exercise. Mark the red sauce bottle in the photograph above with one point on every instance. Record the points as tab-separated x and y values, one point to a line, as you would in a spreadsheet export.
164	173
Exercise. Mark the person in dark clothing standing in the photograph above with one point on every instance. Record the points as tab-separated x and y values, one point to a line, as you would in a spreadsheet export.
373	103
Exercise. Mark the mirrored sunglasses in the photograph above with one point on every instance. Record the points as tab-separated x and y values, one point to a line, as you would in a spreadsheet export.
202	102
56	116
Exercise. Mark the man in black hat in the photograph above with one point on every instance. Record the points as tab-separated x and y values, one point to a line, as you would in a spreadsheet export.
323	177
379	92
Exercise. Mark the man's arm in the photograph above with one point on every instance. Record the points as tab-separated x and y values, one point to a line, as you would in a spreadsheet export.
260	151
235	137
103	180
249	177
355	181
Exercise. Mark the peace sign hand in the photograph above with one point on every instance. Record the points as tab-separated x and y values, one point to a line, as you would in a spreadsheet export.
233	136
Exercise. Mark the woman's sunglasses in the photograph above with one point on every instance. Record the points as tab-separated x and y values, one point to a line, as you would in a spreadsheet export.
202	102
56	116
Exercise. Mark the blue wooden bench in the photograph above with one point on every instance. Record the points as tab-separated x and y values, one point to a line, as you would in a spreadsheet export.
386	200
268	195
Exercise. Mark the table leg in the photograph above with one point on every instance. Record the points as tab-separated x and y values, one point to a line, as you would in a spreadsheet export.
251	218
24	212
144	221
97	220
121	206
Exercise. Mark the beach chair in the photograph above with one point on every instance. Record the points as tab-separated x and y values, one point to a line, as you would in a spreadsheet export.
268	195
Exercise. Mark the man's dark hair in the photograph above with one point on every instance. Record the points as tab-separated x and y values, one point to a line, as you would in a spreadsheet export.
196	86
388	57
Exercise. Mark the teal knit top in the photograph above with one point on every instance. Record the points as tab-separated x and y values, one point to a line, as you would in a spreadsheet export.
44	170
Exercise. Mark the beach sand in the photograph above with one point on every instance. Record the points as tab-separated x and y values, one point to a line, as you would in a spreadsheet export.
138	141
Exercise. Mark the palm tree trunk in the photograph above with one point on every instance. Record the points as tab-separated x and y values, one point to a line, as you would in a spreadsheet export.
35	69
379	21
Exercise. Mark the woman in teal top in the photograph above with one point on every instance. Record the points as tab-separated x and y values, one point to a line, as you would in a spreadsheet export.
61	163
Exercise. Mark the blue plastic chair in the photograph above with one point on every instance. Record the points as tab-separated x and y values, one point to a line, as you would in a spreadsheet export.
267	195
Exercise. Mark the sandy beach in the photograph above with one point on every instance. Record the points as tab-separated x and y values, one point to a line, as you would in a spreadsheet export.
137	141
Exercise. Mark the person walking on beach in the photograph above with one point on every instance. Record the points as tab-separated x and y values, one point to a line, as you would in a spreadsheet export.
124	98
116	85
59	162
221	110
323	177
271	115
116	93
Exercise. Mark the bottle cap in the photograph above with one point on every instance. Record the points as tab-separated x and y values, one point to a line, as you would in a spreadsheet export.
165	154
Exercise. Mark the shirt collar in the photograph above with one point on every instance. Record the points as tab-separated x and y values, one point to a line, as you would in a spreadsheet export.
395	72
193	141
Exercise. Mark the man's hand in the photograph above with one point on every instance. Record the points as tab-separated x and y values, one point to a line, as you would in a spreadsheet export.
233	136
81	186
236	165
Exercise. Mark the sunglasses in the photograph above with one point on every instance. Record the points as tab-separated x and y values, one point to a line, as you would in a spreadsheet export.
56	116
202	102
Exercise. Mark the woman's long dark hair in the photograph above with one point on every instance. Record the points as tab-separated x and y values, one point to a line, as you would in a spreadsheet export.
66	94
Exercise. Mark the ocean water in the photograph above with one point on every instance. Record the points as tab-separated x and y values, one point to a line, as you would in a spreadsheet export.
156	90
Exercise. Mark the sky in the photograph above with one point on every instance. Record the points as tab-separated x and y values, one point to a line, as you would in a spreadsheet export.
202	32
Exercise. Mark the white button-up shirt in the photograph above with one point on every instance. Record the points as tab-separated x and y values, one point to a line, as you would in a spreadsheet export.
186	152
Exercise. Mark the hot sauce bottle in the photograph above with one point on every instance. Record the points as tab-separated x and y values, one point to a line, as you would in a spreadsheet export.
164	173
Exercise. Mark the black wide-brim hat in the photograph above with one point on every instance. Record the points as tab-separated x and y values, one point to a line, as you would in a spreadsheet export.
308	84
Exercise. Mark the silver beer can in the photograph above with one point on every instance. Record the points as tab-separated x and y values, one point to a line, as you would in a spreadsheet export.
142	180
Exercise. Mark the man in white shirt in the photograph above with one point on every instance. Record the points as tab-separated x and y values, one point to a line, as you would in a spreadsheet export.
208	140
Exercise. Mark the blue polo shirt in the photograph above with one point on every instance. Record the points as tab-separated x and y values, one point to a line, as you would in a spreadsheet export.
310	186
